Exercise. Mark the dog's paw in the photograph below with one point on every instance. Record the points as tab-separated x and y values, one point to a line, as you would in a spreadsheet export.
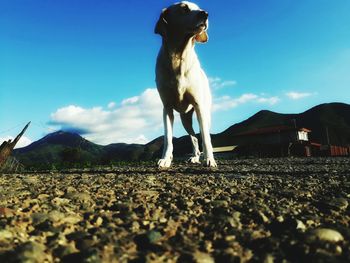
164	163
193	159
210	162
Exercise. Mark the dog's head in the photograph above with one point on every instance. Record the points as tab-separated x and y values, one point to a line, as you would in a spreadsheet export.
183	19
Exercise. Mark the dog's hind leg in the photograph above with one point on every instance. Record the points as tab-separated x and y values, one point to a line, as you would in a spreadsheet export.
204	119
186	119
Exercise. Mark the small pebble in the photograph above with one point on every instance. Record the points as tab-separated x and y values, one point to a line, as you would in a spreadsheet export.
324	234
201	257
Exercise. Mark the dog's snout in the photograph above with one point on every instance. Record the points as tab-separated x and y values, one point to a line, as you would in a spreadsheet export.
203	14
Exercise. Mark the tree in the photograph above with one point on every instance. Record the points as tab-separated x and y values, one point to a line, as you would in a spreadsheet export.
71	155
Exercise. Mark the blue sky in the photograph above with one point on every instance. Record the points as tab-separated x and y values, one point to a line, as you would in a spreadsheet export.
88	66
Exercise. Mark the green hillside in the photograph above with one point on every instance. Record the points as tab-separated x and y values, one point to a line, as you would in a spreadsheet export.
329	121
333	118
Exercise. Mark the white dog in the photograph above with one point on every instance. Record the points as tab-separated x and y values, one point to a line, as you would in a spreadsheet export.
181	82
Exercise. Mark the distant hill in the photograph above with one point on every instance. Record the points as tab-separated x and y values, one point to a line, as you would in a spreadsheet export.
333	118
66	148
57	148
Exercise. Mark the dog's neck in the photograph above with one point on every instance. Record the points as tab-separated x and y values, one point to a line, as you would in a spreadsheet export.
180	53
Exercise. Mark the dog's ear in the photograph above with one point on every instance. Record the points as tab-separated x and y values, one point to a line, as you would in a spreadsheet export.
162	24
202	37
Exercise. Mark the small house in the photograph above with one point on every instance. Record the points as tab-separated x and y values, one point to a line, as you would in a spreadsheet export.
274	141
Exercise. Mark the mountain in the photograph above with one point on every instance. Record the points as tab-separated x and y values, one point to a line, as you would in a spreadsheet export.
329	121
59	147
331	118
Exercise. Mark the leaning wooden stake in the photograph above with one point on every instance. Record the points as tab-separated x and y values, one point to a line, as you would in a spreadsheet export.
6	147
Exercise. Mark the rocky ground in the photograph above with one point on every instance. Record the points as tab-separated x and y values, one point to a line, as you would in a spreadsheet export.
255	210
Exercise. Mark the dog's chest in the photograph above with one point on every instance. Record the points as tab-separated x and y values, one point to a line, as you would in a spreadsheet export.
176	82
180	85
175	93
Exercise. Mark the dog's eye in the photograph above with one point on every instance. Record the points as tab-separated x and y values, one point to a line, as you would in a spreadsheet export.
185	8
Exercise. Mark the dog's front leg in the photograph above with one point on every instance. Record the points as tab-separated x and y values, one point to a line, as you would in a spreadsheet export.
204	119
168	119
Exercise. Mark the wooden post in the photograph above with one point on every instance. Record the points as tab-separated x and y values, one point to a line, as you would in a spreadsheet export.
6	147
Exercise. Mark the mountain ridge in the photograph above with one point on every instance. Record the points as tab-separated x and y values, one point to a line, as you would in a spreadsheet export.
329	122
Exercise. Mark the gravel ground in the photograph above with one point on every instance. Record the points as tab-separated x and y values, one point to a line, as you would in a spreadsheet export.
255	210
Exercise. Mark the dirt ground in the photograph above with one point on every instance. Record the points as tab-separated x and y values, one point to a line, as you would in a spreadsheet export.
246	210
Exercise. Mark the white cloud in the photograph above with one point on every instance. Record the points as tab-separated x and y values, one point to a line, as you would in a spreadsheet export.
24	141
131	100
141	139
227	102
270	100
297	95
217	83
111	105
246	97
137	119
132	122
